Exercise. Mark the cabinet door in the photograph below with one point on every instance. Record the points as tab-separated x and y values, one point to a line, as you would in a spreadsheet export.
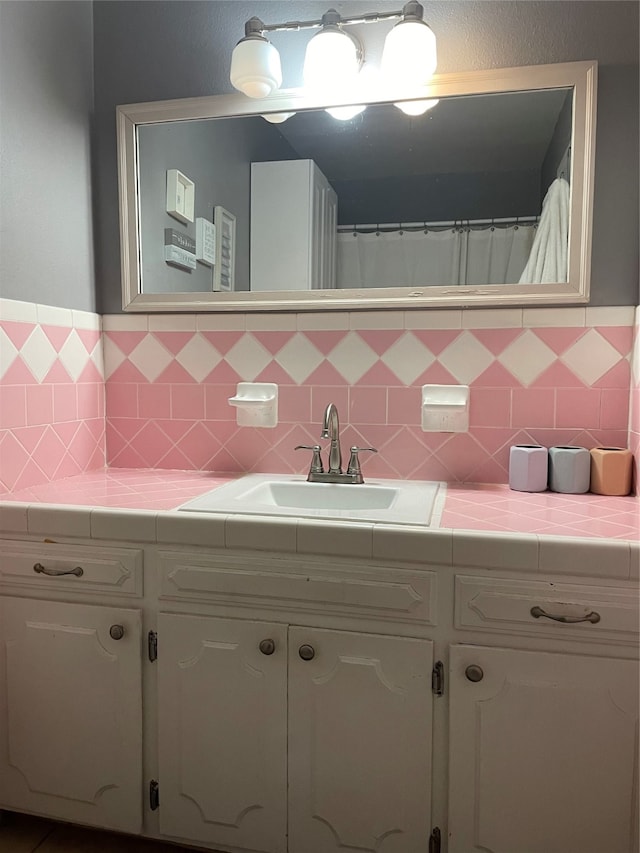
359	743
222	732
542	752
71	712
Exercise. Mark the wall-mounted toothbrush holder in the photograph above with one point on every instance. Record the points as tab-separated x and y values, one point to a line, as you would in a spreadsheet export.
256	404
445	408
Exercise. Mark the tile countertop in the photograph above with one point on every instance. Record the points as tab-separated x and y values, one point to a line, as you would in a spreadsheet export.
490	507
486	526
480	507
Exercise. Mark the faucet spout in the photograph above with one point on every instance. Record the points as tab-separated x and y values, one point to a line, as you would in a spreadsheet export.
331	430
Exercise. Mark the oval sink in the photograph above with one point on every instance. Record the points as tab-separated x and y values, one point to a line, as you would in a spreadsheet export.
390	501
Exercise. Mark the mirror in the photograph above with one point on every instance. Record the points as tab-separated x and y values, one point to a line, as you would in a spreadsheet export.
223	210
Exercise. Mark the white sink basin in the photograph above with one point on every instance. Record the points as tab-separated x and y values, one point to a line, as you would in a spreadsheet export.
391	501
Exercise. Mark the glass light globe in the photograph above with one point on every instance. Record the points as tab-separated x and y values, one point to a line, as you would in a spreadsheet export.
409	56
331	61
417	108
346	113
276	118
255	67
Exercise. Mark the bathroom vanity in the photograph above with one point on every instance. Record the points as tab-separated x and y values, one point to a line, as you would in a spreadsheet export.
262	684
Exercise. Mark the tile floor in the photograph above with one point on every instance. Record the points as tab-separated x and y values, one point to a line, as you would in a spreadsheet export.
26	834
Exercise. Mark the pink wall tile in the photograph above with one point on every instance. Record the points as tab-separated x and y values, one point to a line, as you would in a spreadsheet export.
533	407
39	404
175	419
38	398
579	409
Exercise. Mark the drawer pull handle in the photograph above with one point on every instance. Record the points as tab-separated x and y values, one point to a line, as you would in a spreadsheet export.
267	647
116	632
56	573
307	652
592	617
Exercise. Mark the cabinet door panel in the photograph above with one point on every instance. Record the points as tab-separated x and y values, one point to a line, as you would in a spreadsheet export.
222	732
542	753
71	713
359	743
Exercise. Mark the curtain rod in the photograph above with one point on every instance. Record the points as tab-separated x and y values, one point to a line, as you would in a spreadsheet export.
416	226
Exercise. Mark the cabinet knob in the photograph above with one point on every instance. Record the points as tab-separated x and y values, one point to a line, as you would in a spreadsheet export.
267	647
474	672
307	652
116	632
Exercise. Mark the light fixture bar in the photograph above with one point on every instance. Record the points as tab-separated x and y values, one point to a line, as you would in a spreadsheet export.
412	10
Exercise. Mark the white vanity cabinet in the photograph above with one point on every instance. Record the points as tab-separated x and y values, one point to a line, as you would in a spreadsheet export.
542	752
71	712
259	721
294	219
543	744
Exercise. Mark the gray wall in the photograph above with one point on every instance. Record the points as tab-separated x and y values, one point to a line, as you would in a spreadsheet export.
46	101
148	51
197	149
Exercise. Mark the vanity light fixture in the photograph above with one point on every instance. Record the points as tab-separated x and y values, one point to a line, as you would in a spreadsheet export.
334	57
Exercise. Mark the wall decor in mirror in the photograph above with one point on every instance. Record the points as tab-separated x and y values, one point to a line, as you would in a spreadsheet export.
484	198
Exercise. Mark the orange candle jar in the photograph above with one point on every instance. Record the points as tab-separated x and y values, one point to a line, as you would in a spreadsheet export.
611	471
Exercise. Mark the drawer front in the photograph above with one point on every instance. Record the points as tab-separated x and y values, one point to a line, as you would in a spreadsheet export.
569	611
72	568
269	583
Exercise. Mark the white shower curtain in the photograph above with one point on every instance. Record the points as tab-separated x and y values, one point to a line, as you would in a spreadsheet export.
451	256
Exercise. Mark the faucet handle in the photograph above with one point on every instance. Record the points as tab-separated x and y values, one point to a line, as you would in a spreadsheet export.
316	460
354	459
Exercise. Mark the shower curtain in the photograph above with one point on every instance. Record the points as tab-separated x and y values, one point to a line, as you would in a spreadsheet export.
419	258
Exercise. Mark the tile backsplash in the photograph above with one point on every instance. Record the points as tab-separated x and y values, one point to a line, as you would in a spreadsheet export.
51	394
550	376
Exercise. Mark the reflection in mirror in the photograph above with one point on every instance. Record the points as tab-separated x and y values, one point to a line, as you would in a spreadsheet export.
484	198
451	197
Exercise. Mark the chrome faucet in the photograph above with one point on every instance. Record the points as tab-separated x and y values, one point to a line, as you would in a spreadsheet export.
331	430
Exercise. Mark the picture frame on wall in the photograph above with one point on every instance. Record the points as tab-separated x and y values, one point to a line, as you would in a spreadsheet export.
224	270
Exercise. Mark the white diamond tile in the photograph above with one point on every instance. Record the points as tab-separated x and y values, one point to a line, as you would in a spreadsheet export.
248	357
299	357
591	357
97	356
198	357
352	357
8	353
38	353
73	355
408	358
150	357
112	355
466	358
527	357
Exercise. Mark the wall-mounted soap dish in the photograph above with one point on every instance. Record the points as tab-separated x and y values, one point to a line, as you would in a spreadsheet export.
256	404
445	408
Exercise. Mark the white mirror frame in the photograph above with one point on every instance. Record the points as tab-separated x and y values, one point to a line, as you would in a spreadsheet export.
581	76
